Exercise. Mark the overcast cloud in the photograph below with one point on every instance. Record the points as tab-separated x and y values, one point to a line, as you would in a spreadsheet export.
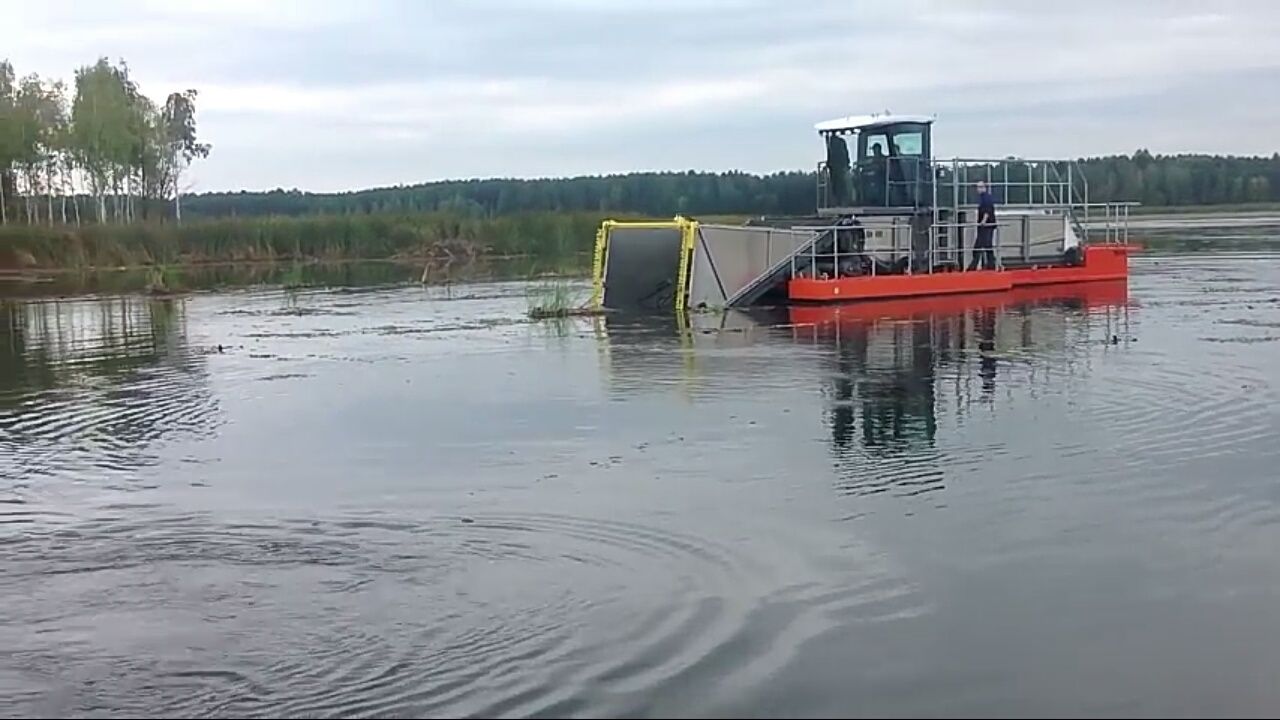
338	95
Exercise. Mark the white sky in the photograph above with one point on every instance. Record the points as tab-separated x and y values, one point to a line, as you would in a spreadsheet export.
325	95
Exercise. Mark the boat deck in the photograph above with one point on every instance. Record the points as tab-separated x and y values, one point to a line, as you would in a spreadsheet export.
1101	262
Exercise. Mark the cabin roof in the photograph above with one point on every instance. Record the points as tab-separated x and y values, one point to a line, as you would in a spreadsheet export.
855	122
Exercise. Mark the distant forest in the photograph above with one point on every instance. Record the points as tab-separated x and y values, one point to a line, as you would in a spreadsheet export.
1153	180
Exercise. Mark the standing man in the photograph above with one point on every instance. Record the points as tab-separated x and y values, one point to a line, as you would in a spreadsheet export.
877	190
982	245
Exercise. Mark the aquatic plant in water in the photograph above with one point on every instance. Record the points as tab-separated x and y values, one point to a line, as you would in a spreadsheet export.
557	298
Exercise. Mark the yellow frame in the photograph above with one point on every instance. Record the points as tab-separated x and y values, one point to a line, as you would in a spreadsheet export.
600	257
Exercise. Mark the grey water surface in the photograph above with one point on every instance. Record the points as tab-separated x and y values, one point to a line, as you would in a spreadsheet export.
392	500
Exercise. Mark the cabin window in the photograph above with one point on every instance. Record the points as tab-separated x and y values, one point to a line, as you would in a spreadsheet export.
909	143
879	140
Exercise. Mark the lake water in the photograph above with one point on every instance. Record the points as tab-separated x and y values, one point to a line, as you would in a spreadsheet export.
402	501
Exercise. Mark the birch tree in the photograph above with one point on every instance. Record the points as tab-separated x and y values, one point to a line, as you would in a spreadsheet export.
179	121
101	120
8	137
109	139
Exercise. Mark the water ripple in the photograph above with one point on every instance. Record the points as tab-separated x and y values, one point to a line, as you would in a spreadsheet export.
439	639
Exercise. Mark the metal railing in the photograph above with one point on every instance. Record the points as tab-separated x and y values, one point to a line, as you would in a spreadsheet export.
1114	224
898	258
822	232
945	188
953	255
822	258
1014	182
890	181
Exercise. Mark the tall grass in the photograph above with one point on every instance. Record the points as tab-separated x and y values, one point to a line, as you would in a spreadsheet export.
332	237
163	280
559	298
293	278
552	298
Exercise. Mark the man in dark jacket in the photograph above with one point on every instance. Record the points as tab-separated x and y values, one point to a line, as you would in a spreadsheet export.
982	246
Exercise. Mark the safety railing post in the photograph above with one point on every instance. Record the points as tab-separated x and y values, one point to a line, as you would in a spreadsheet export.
813	258
998	247
835	253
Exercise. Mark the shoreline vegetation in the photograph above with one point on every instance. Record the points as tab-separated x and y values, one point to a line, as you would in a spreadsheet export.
434	238
430	241
291	275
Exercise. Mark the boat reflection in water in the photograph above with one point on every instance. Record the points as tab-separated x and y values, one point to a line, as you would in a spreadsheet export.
890	355
897	365
887	370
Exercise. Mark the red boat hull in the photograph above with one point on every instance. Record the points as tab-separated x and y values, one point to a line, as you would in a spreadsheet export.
1101	262
1104	293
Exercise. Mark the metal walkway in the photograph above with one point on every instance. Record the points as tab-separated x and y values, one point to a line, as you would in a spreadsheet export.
681	263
